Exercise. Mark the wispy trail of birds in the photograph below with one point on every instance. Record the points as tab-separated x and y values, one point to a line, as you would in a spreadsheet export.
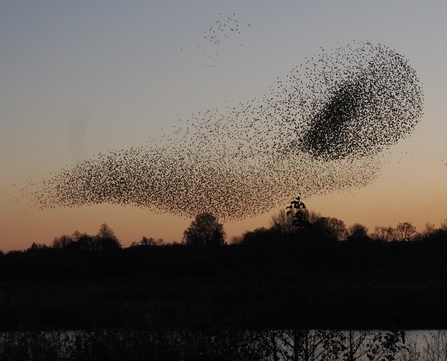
223	28
319	130
226	27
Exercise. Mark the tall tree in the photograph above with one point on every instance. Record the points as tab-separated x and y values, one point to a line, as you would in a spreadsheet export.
297	209
106	240
205	230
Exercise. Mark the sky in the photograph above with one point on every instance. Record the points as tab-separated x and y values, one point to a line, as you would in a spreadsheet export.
80	78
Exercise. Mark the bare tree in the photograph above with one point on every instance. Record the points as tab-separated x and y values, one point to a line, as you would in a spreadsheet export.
386	234
405	231
444	225
62	242
283	221
151	242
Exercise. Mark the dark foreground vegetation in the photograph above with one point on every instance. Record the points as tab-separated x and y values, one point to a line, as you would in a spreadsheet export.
304	272
273	345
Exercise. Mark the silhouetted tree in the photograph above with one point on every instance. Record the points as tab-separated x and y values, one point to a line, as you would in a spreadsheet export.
148	242
62	242
283	222
237	240
298	220
300	214
358	232
311	224
260	236
429	231
329	229
82	242
441	232
443	225
205	230
405	231
385	234
37	247
106	240
302	220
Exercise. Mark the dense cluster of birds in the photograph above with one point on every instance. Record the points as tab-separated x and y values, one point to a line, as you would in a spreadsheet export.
322	129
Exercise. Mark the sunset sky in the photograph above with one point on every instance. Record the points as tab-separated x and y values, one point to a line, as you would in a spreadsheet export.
82	77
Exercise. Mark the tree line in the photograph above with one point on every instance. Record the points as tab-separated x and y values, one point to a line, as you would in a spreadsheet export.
295	223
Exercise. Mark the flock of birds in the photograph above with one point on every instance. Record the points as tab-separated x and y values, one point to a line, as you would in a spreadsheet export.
224	28
319	130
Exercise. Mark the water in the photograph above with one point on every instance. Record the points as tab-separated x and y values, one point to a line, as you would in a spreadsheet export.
272	345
